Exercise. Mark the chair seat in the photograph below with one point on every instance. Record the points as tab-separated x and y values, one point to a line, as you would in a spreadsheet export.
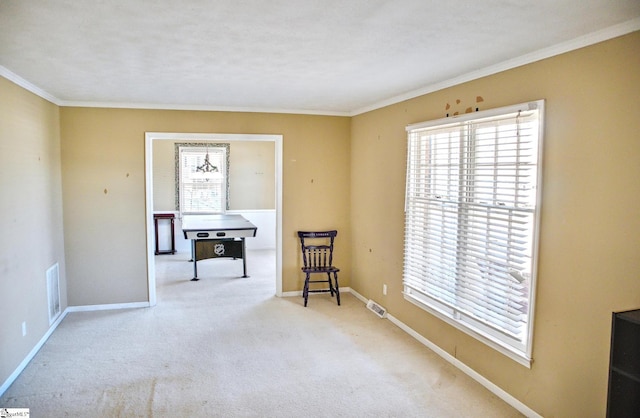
326	269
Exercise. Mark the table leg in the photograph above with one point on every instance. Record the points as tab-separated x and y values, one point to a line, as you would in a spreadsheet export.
195	262
244	259
155	224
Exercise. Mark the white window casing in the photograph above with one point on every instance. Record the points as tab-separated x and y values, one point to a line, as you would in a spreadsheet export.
471	223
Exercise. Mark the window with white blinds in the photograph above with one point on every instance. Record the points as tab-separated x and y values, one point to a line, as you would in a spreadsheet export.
472	193
202	179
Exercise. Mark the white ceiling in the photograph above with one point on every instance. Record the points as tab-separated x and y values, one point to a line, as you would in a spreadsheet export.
338	57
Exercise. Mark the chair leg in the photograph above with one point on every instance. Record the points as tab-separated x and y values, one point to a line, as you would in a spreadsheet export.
330	284
335	278
305	290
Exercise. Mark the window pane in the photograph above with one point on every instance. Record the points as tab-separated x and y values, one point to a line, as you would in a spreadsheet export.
202	179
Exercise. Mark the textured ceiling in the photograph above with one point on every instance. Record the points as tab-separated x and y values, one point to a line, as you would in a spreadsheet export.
306	56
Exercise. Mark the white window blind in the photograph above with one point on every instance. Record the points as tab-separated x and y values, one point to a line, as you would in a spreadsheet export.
471	222
202	192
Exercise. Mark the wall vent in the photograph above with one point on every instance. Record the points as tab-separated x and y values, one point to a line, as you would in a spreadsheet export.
53	292
376	309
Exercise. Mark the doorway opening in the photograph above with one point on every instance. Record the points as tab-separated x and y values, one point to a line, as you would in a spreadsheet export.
151	137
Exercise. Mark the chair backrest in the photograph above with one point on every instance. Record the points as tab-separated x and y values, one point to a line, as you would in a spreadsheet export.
317	248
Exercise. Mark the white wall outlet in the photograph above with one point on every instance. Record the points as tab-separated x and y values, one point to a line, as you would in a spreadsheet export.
384	289
24	329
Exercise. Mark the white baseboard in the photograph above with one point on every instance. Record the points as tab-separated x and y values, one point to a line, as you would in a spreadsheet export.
522	408
359	296
31	354
87	308
53	327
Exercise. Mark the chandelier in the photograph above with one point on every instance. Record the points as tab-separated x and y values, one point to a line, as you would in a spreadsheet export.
207	170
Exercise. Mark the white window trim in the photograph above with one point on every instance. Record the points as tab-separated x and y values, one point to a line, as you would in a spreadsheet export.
522	357
223	170
179	146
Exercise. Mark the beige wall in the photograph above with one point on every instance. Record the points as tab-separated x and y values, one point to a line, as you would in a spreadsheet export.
590	231
104	198
30	219
252	178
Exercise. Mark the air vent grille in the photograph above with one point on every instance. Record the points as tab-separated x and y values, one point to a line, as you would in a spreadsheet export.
376	309
53	292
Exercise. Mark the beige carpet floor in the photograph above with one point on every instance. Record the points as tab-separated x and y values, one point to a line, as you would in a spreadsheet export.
227	347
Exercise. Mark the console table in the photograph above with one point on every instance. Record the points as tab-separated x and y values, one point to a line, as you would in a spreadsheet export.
168	217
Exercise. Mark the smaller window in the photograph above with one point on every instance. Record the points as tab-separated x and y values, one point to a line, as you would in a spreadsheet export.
202	178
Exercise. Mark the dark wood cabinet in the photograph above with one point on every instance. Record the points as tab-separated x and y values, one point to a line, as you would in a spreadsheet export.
624	366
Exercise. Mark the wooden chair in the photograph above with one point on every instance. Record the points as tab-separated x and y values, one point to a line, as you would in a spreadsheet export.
317	258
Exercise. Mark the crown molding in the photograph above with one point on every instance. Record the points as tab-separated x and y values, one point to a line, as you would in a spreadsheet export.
15	78
577	43
154	106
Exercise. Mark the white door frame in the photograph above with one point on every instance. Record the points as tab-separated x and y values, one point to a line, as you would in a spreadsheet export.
149	137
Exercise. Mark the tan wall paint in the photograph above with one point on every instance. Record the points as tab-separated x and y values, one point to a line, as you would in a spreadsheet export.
103	149
590	233
251	175
164	178
30	219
